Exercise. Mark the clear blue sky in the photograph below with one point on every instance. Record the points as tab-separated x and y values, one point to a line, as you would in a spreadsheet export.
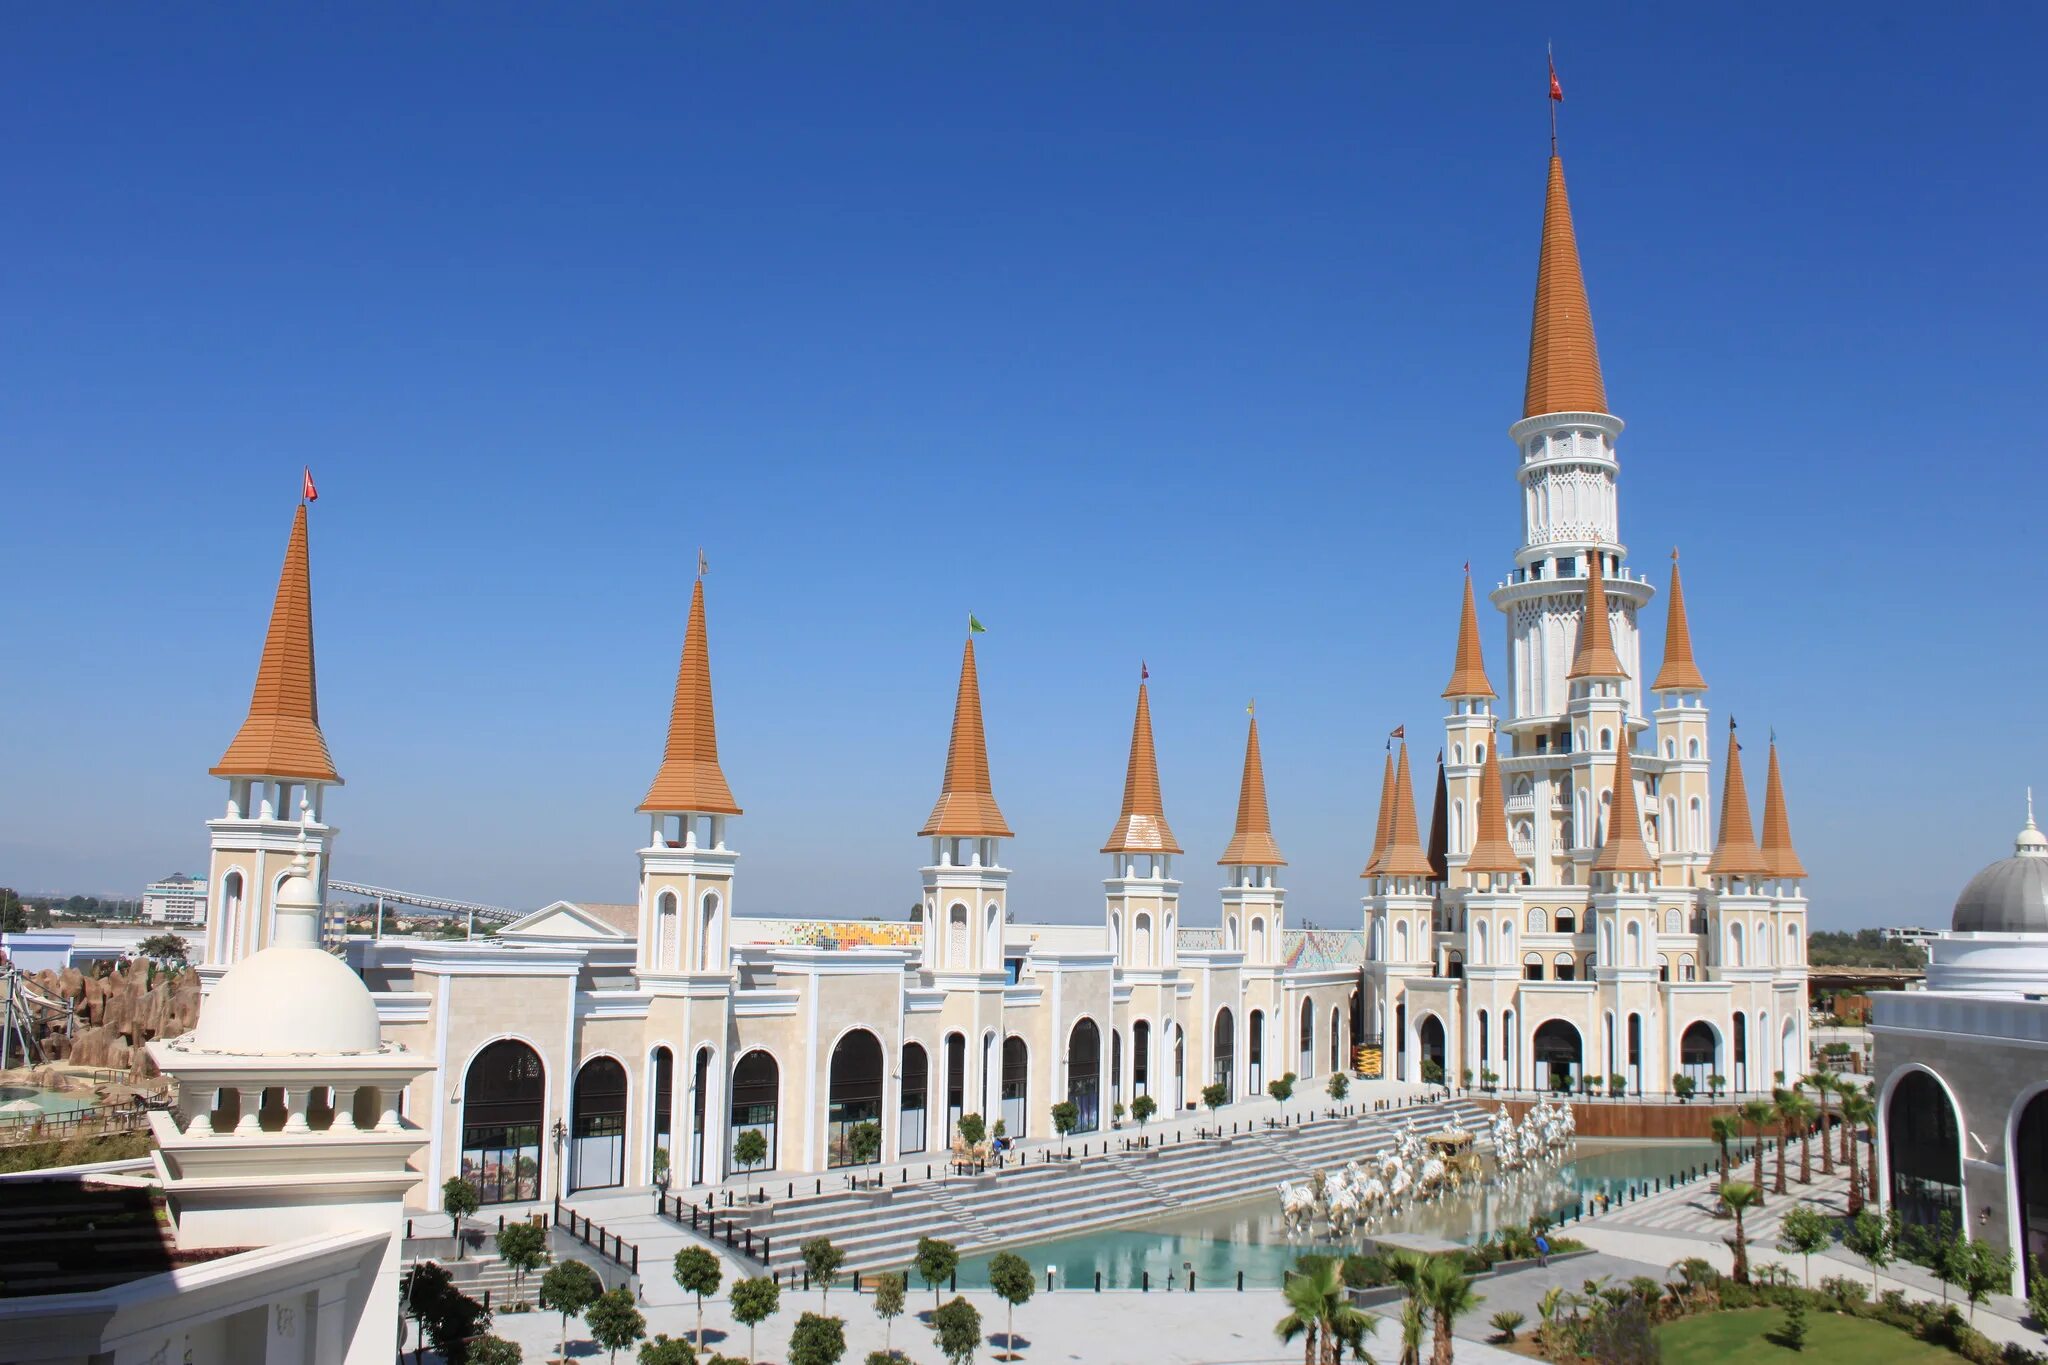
1169	332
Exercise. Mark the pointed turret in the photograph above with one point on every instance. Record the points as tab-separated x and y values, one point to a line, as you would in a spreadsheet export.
1439	825
1468	672
281	737
1405	856
1735	850
689	778
1624	850
966	806
1386	819
1491	851
1779	858
1251	842
1564	363
1595	657
1142	828
1679	673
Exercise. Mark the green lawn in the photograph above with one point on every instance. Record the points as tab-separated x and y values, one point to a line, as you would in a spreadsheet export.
1740	1337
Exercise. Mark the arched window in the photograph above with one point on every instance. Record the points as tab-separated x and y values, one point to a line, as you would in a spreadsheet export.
1741	1023
1230	932
1116	935
668	927
1336	1040
1308	1038
1255	1053
1084	1074
1692	748
1479	944
1696	826
1635	944
1567	920
1688	970
1791	945
956	1081
1223	1054
1141	939
1429	1037
1458	826
1538	922
1561	967
1674	921
1735	945
2028	1161
230	916
1016	1080
661	1157
1606	740
597	1158
1559	1054
1670	747
1699	1053
1258	938
700	1110
1141	1057
1457	755
502	1097
1924	1153
1532	966
1479	753
992	939
956	938
1379	939
711	936
1401	941
910	1124
756	1102
1579	815
853	1117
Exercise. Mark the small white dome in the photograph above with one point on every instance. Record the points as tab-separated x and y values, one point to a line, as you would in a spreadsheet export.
288	1001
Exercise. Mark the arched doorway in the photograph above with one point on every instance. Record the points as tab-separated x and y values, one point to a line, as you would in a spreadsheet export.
597	1126
2029	1161
1699	1054
661	1156
1255	1053
700	1112
1430	1036
756	1105
1559	1054
1223	1067
1308	1038
503	1096
1116	1066
1084	1075
912	1125
1180	1067
1336	1039
956	1081
1016	1083
1741	1024
853	1112
1924	1151
1141	1057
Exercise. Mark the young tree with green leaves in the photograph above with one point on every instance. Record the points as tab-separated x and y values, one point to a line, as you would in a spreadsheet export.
817	1340
1340	1085
523	1247
1066	1116
615	1321
1144	1107
460	1199
864	1143
1215	1097
889	1289
822	1260
1739	1196
973	1129
165	950
698	1272
1986	1271
750	1149
1872	1238
753	1302
1803	1231
569	1288
936	1262
1009	1275
956	1326
494	1351
667	1350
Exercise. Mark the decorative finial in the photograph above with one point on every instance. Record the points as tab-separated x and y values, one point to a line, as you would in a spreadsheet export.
1674	554
1251	709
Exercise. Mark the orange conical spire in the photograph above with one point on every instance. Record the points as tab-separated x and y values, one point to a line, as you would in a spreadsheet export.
1595	657
1439	827
689	778
1251	844
281	737
1405	856
1384	829
1142	828
1564	364
1735	851
1624	849
1468	673
1492	852
1779	858
1679	673
967	805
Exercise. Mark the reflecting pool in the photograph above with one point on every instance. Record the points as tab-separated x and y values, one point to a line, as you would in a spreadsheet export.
1249	1235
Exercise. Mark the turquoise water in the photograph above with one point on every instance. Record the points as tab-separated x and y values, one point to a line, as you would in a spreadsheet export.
52	1102
1248	1234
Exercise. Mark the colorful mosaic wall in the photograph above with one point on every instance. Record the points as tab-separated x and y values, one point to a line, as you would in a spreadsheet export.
1309	950
828	933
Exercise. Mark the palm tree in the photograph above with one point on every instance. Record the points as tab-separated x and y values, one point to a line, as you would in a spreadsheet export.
1856	1108
1304	1314
1448	1291
1320	1311
1824	1085
1739	1195
1759	1114
1799	1113
1780	1097
1726	1128
1863	1114
1413	1325
1410	1270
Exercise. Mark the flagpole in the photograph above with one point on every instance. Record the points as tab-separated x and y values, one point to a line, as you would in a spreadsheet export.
1551	56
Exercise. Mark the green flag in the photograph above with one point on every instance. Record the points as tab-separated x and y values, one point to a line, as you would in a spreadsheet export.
974	626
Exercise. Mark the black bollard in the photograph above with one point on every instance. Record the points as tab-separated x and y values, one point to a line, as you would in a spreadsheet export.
1147	1285
1098	1282
1240	1282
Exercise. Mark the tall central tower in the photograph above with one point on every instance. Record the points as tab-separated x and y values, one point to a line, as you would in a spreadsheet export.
1567	469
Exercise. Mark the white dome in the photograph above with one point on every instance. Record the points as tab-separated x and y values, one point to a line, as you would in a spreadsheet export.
293	998
287	1001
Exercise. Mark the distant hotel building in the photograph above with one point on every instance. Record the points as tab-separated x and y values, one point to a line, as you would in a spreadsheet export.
177	899
1923	939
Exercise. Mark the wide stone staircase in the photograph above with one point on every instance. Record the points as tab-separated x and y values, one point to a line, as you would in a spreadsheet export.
879	1229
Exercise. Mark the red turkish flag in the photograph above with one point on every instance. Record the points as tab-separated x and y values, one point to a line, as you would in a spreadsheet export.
1556	90
309	493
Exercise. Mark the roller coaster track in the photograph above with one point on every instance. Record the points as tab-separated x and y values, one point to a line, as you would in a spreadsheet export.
438	905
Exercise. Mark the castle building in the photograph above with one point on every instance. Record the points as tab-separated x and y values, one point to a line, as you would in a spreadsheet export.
1567	915
1571	921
